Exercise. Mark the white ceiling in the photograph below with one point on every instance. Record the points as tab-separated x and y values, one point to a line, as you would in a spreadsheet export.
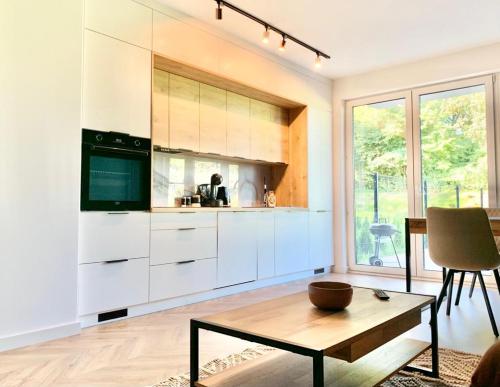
360	35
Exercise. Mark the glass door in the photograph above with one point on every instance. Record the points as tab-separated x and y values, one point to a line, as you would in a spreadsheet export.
454	152
381	164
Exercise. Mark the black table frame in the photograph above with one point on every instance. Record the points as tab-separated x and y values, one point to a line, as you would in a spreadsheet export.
317	356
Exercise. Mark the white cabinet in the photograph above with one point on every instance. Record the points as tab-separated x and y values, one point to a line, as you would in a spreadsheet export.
320	239
265	245
116	86
176	220
122	19
237	244
173	280
291	243
320	159
111	236
184	244
108	286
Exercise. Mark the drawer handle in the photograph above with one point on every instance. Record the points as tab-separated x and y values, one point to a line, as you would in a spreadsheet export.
184	262
118	213
186	228
115	261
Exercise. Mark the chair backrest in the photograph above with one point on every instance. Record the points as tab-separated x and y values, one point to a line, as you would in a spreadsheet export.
461	238
494	213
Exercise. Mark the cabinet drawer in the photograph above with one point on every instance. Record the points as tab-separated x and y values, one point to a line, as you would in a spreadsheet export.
108	286
108	236
169	246
175	280
176	220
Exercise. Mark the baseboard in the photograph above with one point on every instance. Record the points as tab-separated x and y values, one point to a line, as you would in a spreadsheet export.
39	336
157	306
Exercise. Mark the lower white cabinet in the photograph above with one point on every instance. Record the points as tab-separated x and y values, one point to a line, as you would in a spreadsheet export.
320	239
265	245
178	279
291	242
107	286
237	244
170	246
106	236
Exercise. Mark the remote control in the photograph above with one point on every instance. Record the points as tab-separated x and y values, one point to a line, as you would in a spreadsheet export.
381	294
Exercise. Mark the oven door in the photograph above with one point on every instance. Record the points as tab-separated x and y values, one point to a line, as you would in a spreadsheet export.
115	179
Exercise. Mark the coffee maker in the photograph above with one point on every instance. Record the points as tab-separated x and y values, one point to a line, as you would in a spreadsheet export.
208	192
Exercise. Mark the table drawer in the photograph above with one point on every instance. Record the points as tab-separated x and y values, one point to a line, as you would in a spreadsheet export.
170	246
176	220
176	279
107	286
107	236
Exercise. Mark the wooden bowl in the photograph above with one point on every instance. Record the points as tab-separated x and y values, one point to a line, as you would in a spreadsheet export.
330	295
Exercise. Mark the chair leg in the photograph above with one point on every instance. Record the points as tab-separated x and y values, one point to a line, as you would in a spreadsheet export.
488	306
474	277
460	285
444	278
443	289
497	278
450	294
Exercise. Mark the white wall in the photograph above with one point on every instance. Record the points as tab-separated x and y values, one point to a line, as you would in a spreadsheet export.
478	61
40	82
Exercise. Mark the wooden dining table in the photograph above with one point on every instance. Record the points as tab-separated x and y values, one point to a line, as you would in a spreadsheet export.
419	226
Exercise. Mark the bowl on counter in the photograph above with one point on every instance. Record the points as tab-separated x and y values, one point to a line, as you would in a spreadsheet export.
330	295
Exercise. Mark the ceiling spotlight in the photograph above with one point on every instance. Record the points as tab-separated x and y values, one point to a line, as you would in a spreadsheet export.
218	11
317	62
283	43
265	36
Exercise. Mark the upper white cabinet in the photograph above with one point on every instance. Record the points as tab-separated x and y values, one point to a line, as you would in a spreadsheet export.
291	241
320	159
265	245
113	236
122	19
116	86
237	258
320	239
238	125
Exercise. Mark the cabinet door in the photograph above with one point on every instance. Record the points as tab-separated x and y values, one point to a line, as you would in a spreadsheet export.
320	159
320	239
237	243
212	120
260	121
122	19
265	245
291	233
278	135
116	86
184	113
160	108
238	125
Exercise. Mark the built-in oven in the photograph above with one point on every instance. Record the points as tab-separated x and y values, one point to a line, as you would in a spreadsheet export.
116	172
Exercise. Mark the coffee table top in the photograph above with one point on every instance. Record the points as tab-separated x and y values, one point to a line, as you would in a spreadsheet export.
294	320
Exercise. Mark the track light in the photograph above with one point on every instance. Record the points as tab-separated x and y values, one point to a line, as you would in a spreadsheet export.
218	11
265	36
317	62
283	43
268	28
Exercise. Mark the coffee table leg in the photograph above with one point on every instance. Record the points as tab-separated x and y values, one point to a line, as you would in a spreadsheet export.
318	370
194	354
434	340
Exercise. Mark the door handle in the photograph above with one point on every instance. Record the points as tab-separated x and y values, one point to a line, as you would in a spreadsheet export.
186	229
184	262
115	261
118	213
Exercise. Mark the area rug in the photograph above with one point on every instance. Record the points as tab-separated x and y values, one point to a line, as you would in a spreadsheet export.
455	369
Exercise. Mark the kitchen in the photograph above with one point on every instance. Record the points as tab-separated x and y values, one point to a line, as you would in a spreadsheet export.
165	237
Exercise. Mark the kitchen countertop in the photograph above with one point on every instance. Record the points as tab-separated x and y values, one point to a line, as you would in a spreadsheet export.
224	209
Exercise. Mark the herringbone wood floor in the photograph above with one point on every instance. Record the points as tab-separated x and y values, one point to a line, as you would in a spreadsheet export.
145	350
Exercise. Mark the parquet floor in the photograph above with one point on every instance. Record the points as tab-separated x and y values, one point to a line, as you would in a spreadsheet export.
144	350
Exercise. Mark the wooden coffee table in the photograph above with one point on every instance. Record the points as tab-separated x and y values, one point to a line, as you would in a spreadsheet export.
358	346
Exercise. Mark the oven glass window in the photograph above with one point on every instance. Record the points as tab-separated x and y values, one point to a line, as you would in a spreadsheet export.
116	179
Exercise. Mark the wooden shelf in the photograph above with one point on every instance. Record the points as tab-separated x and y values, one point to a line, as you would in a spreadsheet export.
291	370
